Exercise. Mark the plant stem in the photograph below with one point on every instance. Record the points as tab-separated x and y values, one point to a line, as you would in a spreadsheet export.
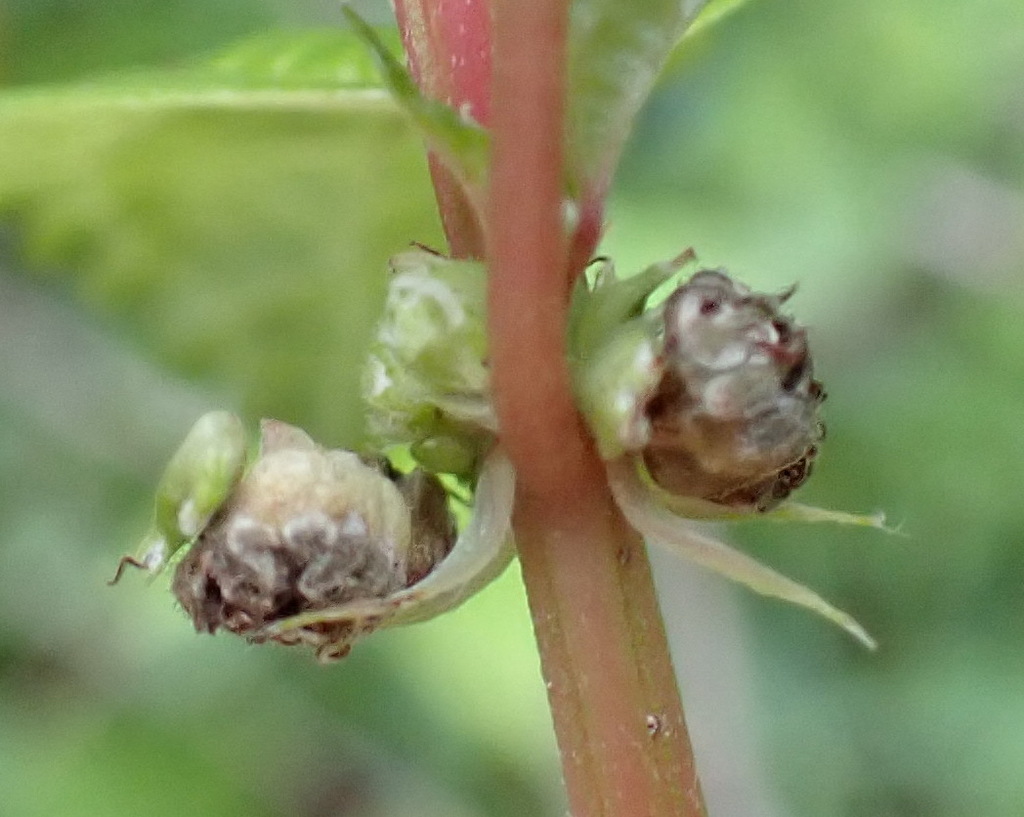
447	43
611	685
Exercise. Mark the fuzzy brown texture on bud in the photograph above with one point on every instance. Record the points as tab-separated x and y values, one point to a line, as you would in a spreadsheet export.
309	529
734	418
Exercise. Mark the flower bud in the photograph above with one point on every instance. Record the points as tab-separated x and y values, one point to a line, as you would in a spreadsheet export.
427	380
713	389
309	529
704	407
734	417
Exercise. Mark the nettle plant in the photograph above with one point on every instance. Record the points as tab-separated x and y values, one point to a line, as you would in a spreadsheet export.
574	411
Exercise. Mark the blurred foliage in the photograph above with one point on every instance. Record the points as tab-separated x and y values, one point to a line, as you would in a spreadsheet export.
190	250
216	210
874	153
160	262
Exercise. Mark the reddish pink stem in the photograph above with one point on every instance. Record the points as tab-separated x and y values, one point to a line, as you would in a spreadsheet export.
611	684
447	43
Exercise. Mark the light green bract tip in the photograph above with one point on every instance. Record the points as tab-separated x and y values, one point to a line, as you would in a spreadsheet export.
660	525
614	346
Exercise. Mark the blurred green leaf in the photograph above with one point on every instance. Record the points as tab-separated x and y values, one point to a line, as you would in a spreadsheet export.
236	217
617	51
47	40
713	11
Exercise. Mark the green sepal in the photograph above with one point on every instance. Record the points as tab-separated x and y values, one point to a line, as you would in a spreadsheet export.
599	309
798	512
617	51
689	507
615	352
195	484
659	524
705	510
613	384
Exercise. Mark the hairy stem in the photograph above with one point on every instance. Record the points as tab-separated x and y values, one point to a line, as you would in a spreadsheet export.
612	689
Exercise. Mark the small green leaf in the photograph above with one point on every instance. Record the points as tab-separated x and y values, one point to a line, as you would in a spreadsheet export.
712	12
463	145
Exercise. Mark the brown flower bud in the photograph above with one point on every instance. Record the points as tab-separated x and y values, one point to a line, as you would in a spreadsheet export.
734	418
309	529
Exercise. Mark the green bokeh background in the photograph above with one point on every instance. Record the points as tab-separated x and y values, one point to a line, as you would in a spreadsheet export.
871	152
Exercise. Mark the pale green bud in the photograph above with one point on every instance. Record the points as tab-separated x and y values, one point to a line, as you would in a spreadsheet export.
427	381
196	482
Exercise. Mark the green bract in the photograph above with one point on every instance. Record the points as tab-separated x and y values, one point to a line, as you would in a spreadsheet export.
198	479
614	345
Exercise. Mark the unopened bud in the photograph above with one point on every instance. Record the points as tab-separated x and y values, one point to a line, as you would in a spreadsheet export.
734	418
713	389
705	407
307	529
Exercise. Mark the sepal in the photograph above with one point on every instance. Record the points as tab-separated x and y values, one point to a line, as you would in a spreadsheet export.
198	479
